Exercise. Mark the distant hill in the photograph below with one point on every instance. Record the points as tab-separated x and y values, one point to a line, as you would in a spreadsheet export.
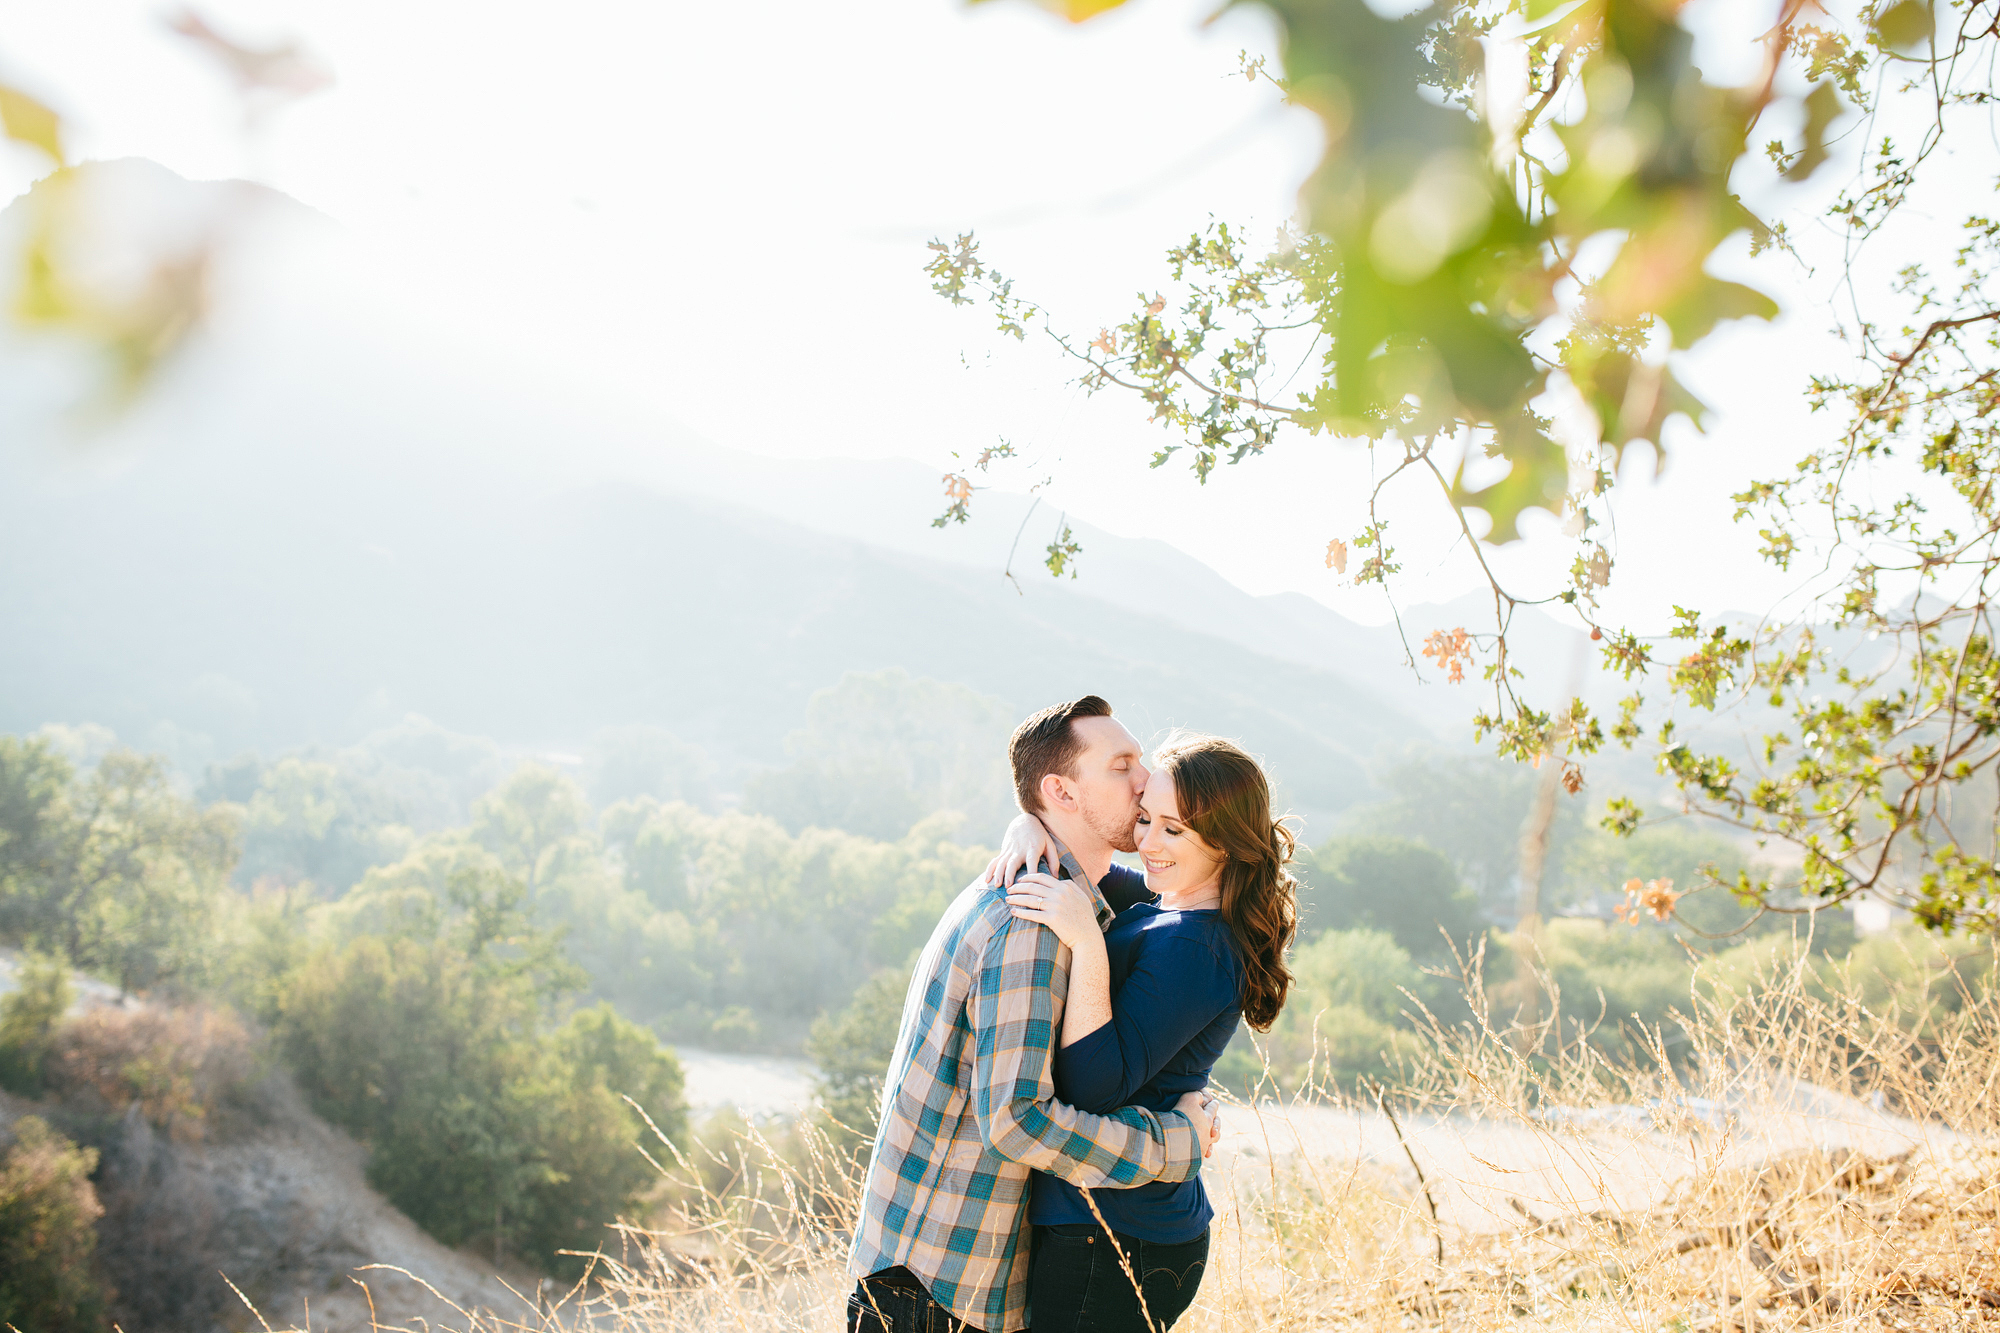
889	502
223	600
316	524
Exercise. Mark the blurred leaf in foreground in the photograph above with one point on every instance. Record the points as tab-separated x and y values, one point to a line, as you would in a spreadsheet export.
26	120
91	274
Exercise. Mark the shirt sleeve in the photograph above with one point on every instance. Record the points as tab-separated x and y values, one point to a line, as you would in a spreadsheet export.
1176	988
1015	1008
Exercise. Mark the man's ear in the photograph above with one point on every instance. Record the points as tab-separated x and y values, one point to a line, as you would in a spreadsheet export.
1056	794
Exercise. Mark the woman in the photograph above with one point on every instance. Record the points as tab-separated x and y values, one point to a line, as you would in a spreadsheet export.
1152	1002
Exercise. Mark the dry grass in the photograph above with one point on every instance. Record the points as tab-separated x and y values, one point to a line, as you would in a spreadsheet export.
1785	1158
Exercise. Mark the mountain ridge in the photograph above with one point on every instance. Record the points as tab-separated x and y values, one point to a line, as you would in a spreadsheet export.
313	528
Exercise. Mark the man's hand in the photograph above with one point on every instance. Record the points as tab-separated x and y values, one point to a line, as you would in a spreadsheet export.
1206	1115
1024	847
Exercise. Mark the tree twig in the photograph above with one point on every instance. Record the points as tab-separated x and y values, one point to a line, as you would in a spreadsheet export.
1437	1227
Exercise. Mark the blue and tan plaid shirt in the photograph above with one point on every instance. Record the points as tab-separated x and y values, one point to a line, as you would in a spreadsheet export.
969	1111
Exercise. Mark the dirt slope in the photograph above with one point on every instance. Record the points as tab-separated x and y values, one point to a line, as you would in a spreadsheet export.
277	1201
283	1211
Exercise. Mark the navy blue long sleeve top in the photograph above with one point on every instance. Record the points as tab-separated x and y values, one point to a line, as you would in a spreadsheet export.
1176	988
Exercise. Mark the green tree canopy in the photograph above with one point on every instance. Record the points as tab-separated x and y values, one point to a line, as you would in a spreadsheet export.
1395	885
1473	148
313	823
484	1119
851	1051
1343	1019
529	820
114	868
1472	809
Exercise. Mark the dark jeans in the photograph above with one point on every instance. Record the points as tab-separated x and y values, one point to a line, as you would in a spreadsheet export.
894	1301
1079	1286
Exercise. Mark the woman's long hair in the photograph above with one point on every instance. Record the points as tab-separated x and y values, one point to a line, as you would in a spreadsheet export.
1222	794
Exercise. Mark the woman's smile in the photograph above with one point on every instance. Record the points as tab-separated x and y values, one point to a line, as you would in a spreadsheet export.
1189	878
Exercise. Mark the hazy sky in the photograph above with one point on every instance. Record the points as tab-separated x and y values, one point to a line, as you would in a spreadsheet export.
716	214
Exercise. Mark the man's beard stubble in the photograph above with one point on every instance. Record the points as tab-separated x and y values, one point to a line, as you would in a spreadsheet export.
1123	837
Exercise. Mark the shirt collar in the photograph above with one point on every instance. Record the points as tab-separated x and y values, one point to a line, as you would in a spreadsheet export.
1069	868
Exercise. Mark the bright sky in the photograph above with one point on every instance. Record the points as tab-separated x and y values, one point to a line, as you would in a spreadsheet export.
717	213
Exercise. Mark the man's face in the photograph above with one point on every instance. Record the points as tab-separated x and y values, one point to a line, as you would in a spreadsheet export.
1110	778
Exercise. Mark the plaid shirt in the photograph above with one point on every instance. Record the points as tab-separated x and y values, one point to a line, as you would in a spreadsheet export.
969	1111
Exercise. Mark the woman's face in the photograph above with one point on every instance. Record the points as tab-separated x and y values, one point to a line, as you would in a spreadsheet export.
1179	861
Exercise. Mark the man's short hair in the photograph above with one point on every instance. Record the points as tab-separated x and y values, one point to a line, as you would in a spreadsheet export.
1046	743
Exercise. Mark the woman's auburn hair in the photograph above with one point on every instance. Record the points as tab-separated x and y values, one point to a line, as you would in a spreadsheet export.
1222	794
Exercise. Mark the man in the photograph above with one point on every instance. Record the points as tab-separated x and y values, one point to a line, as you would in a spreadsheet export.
969	1108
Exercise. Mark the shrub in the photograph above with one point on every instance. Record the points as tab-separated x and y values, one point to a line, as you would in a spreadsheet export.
1340	1022
593	1176
29	1017
181	1065
851	1051
1753	1187
601	1047
400	1043
1395	885
48	1272
1615	982
1364	969
602	1059
483	1124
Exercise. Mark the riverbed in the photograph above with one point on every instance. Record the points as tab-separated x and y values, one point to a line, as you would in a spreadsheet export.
757	1086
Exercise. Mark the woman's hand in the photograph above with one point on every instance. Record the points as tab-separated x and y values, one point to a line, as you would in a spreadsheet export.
1024	846
1060	904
